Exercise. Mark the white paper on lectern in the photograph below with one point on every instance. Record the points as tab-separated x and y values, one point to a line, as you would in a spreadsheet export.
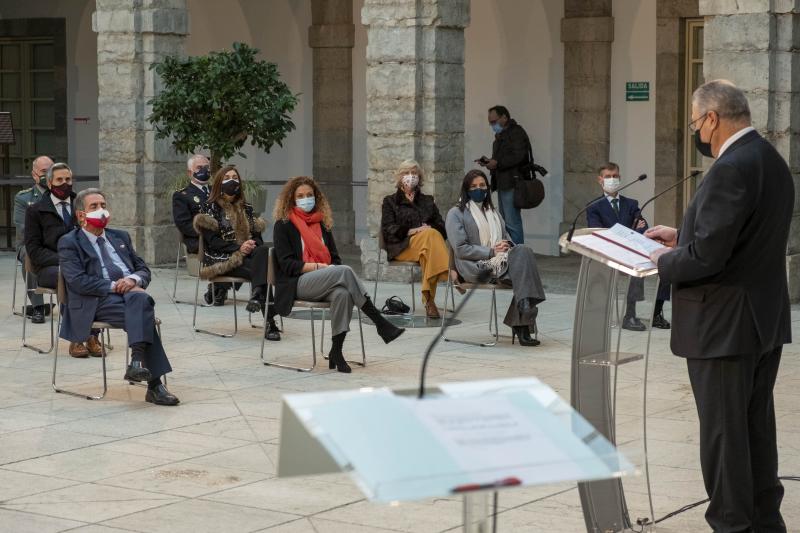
632	239
614	252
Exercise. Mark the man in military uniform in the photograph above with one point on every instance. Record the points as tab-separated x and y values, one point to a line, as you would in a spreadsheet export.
186	203
22	200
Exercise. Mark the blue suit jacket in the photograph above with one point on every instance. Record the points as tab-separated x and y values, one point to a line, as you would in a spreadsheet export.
83	277
601	215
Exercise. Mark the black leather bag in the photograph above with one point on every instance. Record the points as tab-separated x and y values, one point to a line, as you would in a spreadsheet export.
528	189
395	306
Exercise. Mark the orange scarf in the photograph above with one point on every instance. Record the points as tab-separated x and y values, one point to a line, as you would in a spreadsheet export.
308	224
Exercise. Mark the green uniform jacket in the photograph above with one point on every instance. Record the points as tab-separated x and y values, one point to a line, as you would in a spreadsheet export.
22	200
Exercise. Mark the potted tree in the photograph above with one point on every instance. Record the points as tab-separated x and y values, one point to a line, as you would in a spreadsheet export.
218	101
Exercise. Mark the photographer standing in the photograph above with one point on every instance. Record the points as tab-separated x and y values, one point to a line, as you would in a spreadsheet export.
509	154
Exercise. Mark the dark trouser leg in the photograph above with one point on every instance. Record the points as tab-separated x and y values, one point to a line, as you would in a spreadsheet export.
48	277
738	452
526	285
635	294
511	215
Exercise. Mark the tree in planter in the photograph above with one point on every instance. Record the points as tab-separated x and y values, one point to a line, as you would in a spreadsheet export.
216	102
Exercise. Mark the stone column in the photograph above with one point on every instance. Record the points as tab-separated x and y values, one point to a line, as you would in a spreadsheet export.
415	102
755	45
135	169
331	37
587	31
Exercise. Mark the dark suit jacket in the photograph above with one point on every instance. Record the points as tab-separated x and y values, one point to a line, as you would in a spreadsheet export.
83	276
728	271
510	150
601	215
43	229
289	261
186	203
398	215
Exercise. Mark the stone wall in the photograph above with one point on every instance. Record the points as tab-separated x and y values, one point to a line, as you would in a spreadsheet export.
135	168
415	103
755	44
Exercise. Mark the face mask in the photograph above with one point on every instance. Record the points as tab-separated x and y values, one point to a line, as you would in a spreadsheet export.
306	204
410	181
477	195
98	219
610	185
62	191
202	174
231	187
702	147
497	128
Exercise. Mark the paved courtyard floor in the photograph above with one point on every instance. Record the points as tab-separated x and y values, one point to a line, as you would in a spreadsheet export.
120	464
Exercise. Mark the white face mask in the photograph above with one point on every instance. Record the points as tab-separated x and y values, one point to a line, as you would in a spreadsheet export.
410	181
610	185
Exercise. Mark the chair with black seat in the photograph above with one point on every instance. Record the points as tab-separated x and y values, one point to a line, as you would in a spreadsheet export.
42	291
410	264
312	306
494	287
234	280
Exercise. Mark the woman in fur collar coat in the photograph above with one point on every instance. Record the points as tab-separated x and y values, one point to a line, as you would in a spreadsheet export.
232	242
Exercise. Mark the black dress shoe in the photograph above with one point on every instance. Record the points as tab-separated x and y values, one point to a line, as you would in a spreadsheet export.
633	324
159	395
257	299
137	372
660	322
523	333
37	317
273	332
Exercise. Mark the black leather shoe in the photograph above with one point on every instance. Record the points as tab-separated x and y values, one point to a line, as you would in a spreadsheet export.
159	395
527	310
208	297
660	322
273	332
257	299
523	333
137	372
633	324
37	317
220	295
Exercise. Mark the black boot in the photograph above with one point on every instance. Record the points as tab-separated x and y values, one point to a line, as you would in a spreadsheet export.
336	357
208	297
386	329
527	309
523	333
220	294
257	299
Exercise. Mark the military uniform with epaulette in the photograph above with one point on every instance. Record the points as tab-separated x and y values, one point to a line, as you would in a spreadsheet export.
22	200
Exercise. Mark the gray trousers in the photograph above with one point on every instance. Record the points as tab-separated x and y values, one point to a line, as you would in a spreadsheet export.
35	299
340	286
525	283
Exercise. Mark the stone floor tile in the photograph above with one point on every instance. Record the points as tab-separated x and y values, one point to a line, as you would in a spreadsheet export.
18	484
17	522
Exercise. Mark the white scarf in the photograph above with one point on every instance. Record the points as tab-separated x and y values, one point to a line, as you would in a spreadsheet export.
490	231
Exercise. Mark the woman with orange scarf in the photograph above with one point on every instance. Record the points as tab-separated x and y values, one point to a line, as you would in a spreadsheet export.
309	266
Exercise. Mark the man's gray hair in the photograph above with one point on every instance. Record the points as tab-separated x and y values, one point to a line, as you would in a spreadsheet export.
723	97
81	197
57	166
190	161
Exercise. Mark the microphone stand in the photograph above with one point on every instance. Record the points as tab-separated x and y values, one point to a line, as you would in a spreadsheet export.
582	211
639	217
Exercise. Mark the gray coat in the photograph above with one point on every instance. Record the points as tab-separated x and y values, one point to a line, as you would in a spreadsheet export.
464	238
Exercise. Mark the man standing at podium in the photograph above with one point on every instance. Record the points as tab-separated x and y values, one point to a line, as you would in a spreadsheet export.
730	314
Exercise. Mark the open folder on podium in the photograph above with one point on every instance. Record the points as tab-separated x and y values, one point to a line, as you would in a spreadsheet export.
464	437
622	246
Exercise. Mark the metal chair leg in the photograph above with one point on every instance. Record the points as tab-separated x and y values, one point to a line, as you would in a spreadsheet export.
209	332
14	291
413	293
77	394
52	333
289	367
377	276
492	313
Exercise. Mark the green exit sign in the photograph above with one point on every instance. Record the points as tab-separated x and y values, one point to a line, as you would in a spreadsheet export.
637	91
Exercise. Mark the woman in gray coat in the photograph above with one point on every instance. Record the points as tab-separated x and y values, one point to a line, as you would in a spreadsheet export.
480	242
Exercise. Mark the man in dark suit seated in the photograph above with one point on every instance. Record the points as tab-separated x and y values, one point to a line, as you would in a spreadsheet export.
106	281
731	301
618	209
46	222
188	202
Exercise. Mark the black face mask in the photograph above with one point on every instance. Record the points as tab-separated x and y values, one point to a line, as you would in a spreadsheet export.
231	188
202	174
62	191
703	147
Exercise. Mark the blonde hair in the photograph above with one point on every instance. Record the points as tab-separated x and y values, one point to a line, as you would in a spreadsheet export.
285	201
409	165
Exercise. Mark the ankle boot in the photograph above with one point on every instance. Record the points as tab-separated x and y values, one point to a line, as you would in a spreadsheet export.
387	331
257	299
335	356
524	335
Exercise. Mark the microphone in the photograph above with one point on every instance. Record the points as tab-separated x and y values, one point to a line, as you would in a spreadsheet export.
638	216
582	211
483	277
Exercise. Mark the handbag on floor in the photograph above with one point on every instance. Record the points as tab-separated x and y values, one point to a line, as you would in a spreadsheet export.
395	306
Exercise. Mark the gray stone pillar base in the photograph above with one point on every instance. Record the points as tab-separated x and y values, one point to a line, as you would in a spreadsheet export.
369	256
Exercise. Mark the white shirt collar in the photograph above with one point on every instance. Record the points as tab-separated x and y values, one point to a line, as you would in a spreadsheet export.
200	187
92	237
610	198
57	201
733	138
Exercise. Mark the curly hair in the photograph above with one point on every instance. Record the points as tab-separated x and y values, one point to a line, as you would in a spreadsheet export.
285	201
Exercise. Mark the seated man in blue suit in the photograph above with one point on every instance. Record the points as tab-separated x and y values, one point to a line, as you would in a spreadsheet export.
106	281
622	210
